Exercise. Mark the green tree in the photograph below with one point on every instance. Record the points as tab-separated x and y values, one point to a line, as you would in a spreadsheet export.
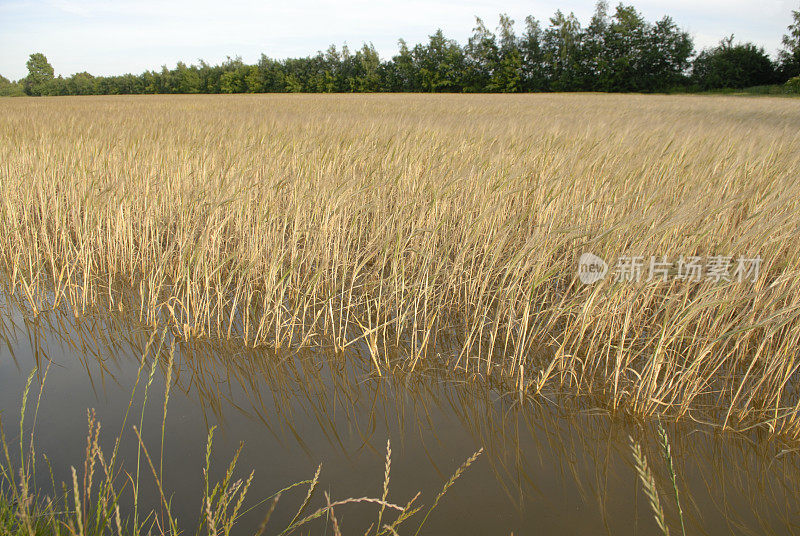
561	52
622	52
232	79
789	56
666	56
625	44
271	73
80	84
40	74
594	53
368	63
482	58
326	78
440	64
252	79
402	72
9	88
732	66
227	82
348	67
532	57
507	77
187	79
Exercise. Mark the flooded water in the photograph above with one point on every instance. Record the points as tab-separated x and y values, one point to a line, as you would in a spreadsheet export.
549	466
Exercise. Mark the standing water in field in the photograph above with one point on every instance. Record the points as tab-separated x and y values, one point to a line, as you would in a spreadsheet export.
549	466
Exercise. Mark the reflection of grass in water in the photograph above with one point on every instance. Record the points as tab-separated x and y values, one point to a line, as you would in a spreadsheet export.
93	503
649	481
649	484
397	220
320	385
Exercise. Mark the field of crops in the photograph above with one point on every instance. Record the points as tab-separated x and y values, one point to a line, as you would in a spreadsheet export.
434	230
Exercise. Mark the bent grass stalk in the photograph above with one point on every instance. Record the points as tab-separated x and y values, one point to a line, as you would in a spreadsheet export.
469	461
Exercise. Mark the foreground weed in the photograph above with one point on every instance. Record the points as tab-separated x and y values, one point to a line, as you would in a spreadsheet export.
90	505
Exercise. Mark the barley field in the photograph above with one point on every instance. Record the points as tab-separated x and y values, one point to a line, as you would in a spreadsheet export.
431	231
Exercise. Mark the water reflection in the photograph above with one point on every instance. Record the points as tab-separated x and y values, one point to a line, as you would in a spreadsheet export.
552	465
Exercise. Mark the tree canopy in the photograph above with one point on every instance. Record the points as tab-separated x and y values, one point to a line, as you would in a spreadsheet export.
40	74
733	66
789	56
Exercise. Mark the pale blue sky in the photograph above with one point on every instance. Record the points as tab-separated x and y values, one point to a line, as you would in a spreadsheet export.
116	37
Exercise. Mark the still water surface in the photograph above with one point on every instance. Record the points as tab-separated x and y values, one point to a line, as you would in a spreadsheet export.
549	467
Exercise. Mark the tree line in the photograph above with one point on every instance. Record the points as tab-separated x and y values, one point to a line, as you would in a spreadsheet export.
618	51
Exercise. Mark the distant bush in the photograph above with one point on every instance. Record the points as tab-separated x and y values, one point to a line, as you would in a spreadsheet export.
793	85
733	66
9	88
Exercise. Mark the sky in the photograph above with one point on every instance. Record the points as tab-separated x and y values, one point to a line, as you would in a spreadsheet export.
122	36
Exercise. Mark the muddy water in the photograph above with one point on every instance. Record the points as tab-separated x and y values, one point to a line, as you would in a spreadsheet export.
549	467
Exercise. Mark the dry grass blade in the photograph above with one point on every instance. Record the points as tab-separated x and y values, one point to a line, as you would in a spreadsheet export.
334	521
463	467
164	503
387	468
324	510
263	525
